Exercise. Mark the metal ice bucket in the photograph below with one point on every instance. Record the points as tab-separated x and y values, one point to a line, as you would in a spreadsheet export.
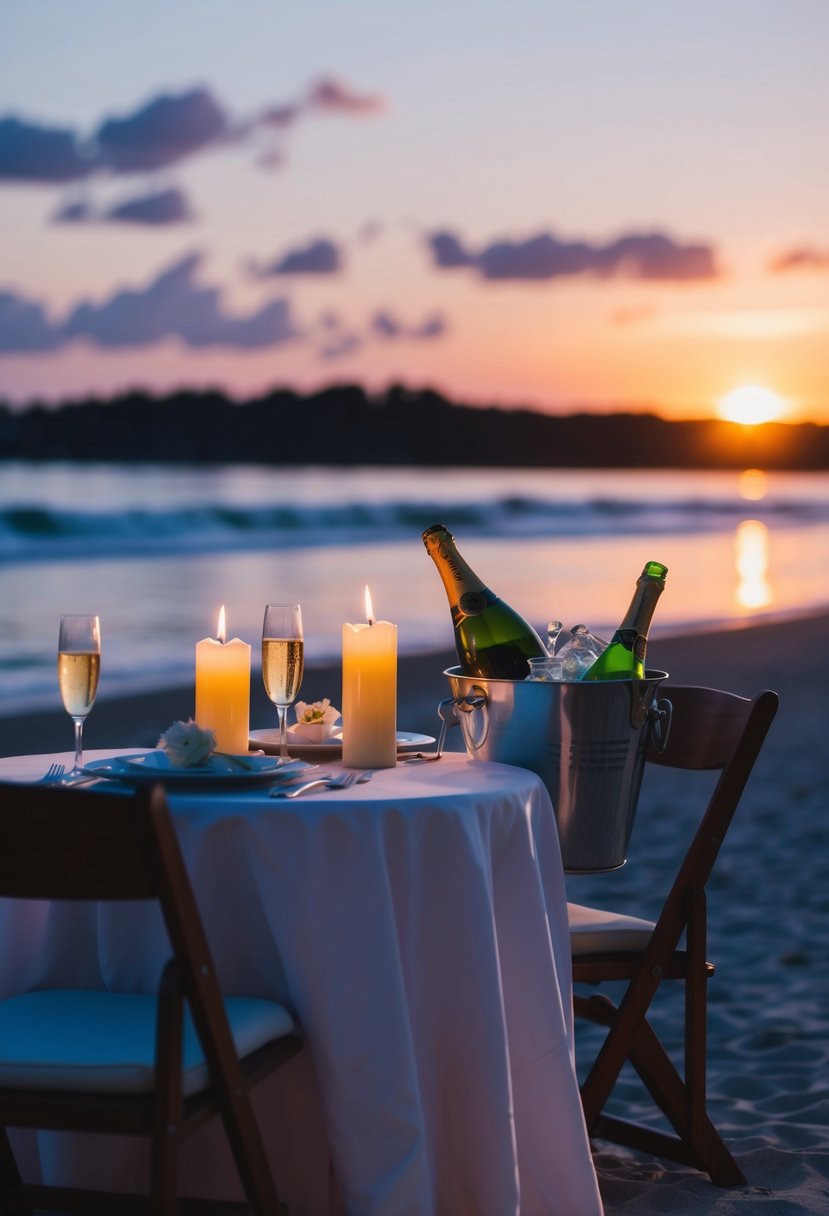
586	740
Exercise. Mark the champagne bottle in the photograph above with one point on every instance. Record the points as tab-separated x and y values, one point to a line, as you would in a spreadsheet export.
491	639
624	658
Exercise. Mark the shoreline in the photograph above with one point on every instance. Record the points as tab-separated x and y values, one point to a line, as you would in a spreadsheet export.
742	656
739	656
156	686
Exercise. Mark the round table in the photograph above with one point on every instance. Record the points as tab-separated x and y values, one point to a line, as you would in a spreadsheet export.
417	926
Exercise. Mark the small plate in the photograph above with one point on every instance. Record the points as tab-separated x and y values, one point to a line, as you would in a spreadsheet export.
219	771
329	749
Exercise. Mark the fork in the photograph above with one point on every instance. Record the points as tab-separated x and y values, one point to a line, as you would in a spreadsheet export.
53	773
327	783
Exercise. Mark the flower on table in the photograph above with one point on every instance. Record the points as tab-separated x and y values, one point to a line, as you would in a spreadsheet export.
315	720
316	711
187	744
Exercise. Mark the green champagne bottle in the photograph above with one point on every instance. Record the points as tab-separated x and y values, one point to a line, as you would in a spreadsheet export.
624	658
491	639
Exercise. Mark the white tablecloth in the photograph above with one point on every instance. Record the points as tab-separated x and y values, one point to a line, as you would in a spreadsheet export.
417	926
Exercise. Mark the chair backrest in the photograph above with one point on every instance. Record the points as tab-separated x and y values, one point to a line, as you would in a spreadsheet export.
75	844
710	730
707	725
95	845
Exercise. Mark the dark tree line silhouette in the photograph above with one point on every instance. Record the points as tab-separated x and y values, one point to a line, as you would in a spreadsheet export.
344	425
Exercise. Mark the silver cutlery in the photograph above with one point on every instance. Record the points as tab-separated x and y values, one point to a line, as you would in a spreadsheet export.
291	780
53	773
327	783
56	775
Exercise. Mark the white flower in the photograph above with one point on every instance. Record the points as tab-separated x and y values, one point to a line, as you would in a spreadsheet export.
186	744
317	711
315	721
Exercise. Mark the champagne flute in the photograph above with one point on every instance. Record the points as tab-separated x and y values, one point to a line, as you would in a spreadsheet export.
283	662
79	665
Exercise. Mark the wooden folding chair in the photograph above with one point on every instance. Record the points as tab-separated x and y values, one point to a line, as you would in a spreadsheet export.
709	730
158	1065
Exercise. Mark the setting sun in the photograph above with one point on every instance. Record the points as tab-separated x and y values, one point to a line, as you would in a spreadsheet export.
751	404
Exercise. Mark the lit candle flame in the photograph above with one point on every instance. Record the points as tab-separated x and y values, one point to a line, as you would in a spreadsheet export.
221	630
369	607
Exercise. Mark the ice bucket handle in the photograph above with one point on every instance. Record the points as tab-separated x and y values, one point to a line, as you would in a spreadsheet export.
447	713
660	715
475	699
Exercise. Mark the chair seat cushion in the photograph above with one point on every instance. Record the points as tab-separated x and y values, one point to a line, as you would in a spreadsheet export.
104	1042
594	931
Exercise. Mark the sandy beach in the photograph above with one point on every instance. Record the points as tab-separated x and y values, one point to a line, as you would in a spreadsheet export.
768	905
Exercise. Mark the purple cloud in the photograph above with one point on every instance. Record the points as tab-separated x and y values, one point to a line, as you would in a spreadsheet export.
164	131
162	207
281	116
804	257
653	255
339	346
77	212
319	257
448	251
384	324
544	257
332	94
31	153
434	326
171	306
156	209
328	95
339	339
24	326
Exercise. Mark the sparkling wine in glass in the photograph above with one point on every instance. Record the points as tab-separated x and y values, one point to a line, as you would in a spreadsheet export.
79	665
283	662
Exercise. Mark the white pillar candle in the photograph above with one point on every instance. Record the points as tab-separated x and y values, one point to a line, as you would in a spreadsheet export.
370	693
223	690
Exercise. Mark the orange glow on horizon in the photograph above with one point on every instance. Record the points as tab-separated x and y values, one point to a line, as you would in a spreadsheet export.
751	405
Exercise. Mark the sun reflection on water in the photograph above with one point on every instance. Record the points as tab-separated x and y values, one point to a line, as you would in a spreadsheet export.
751	549
754	485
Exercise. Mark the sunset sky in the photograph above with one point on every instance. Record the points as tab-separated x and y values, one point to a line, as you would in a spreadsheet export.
598	205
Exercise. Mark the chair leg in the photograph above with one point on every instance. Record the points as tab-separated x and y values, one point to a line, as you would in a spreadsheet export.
249	1154
164	1174
696	1014
706	1150
645	1053
11	1187
666	1087
610	1060
169	1099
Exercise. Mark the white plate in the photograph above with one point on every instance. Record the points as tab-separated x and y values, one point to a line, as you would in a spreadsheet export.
219	771
331	748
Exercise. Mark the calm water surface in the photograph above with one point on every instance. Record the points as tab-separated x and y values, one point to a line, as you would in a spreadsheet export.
155	551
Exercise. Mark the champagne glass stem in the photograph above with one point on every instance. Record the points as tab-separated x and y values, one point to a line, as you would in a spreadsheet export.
282	710
78	744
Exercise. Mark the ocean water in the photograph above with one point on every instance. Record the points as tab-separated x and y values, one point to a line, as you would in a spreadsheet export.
156	550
